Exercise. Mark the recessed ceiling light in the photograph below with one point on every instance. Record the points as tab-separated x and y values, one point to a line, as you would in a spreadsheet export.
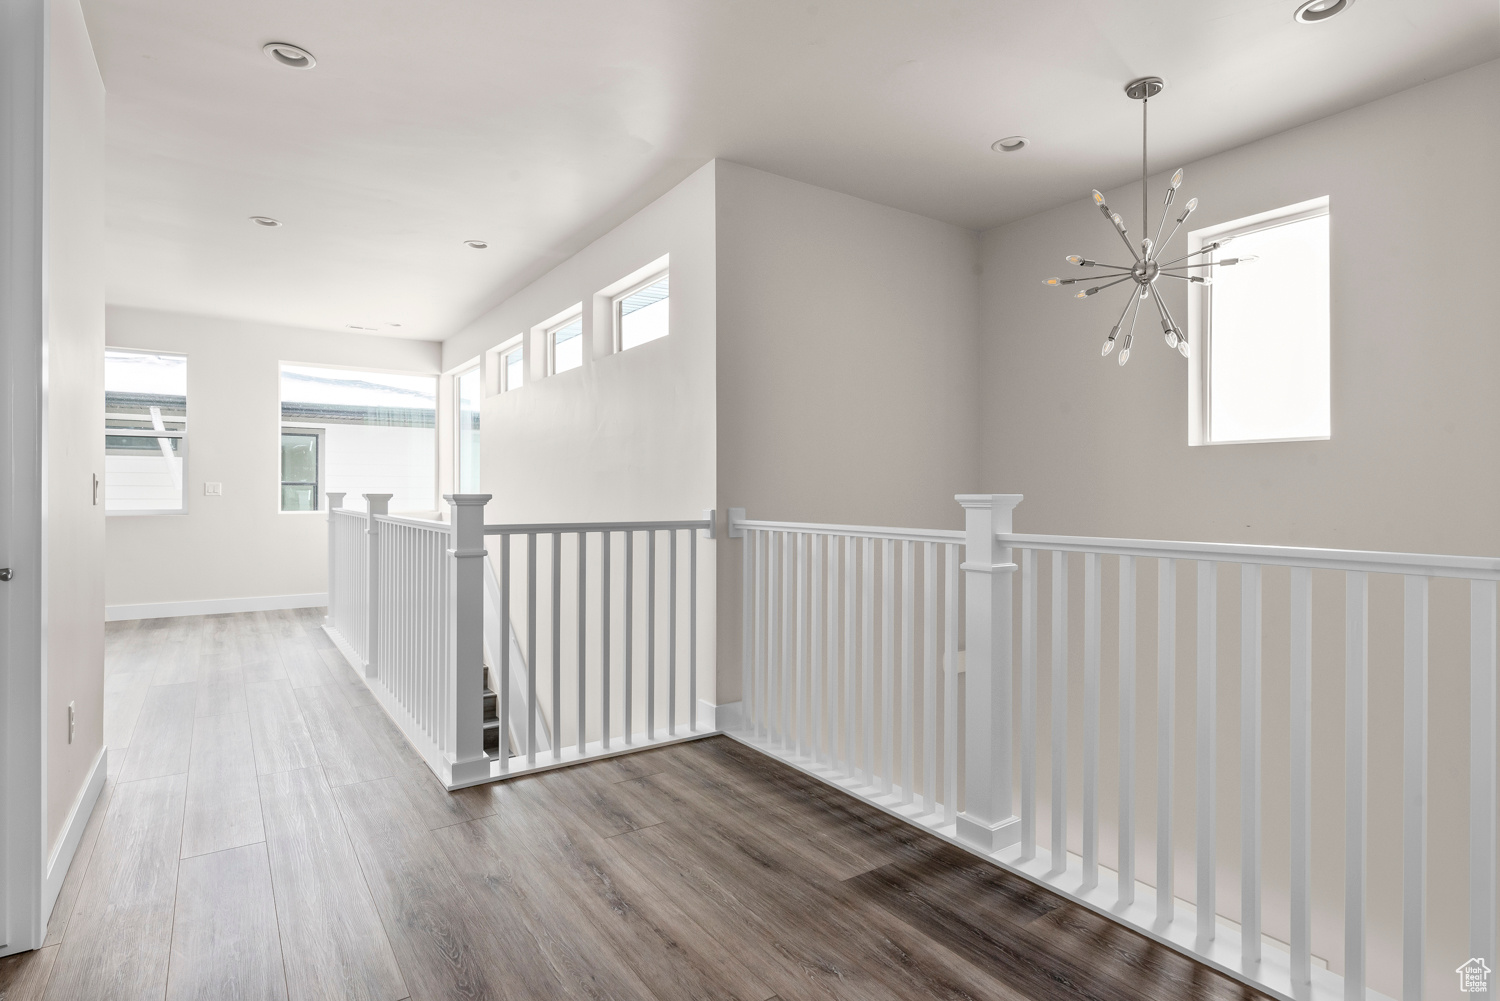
266	221
287	54
393	325
355	326
475	244
1010	144
1314	11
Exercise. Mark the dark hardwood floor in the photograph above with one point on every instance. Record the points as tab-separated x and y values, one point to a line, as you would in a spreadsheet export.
266	833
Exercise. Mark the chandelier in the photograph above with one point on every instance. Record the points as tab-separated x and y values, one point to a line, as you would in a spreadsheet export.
1148	265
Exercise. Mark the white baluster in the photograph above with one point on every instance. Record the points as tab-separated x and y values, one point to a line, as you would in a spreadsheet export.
929	678
831	660
627	720
503	682
1028	704
1250	851
1207	746
762	631
1482	710
556	574
786	678
815	644
908	673
1091	627
887	665
1356	798
1166	701
851	665
749	630
1127	733
867	654
672	633
1414	790
580	696
651	635
606	584
1300	720
950	686
1059	712
531	707
799	699
693	627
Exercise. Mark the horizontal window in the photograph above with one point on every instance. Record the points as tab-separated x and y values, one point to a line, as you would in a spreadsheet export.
641	314
376	432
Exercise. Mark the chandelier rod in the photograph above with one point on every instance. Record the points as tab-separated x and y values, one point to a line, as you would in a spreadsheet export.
1145	221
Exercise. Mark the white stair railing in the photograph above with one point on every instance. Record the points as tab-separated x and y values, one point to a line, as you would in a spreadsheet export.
814	696
617	678
415	606
406	606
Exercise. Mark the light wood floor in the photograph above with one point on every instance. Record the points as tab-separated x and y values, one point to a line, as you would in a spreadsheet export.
266	833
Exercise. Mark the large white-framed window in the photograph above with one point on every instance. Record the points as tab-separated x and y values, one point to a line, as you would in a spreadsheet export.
641	313
145	432
466	401
565	342
1262	329
377	434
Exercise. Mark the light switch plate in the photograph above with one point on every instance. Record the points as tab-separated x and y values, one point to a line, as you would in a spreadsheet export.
213	489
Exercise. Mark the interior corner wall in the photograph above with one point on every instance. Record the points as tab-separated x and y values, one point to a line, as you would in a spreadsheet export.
630	434
847	387
239	545
74	525
1413	465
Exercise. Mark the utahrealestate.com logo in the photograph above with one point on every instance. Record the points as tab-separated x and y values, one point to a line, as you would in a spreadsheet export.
1474	977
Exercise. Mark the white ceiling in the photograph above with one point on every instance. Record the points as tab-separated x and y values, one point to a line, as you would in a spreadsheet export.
538	124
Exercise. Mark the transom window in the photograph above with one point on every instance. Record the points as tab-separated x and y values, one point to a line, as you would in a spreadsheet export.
565	343
641	313
1263	327
512	369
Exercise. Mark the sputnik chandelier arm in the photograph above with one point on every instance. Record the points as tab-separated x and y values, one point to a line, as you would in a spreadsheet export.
1147	266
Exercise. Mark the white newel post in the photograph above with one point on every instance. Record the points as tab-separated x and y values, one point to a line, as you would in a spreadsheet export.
335	501
987	822
465	709
375	504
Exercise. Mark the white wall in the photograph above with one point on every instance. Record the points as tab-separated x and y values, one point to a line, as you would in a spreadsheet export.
629	435
846	380
75	411
1412	463
240	545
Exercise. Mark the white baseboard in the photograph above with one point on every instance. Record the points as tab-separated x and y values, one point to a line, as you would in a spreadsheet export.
213	606
724	717
67	844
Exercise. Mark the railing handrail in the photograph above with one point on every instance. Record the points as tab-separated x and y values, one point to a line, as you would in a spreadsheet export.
1416	564
430	524
859	531
597	526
